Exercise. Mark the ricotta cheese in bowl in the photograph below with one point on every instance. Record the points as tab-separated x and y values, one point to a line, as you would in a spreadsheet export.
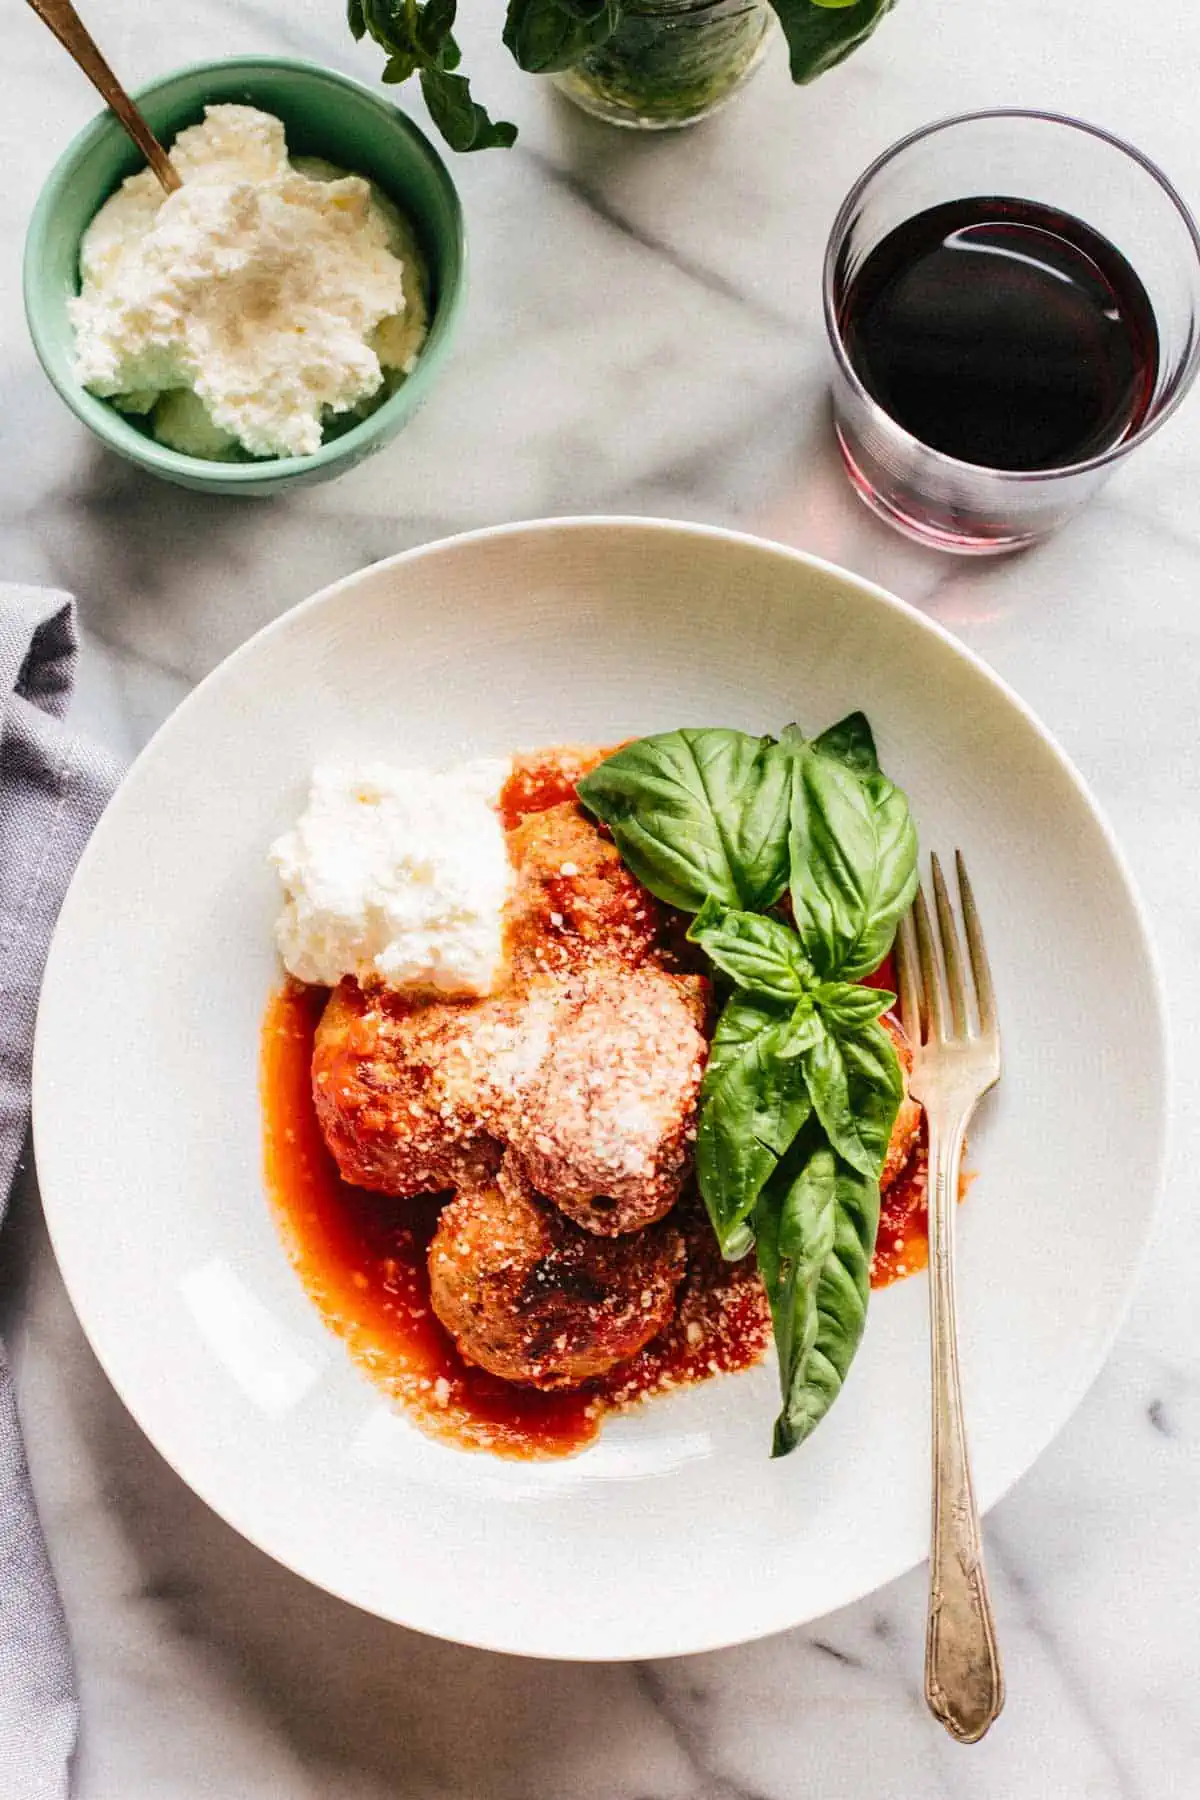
259	307
398	876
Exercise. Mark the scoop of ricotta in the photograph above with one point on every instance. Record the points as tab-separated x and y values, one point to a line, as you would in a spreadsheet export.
256	286
399	876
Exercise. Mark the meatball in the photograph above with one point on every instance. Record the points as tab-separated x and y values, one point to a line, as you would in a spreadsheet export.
606	1129
591	1078
531	1298
411	1097
908	1119
574	897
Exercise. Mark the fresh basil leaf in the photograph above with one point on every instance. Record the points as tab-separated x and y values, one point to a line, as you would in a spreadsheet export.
698	813
434	24
846	1005
419	39
752	1104
399	67
758	954
387	23
544	35
820	36
853	862
850	741
795	1221
826	1345
463	123
856	1086
802	1031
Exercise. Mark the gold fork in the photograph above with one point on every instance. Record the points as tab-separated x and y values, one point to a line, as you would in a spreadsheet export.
956	1059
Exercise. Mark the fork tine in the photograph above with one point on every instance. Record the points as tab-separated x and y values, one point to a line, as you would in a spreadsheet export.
955	986
931	981
908	979
984	992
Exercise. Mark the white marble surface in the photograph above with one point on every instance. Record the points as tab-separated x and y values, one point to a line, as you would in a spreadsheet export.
644	335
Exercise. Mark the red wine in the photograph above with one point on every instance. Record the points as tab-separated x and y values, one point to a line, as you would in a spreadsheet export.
1004	334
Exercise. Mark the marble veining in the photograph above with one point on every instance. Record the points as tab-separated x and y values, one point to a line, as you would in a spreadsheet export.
644	335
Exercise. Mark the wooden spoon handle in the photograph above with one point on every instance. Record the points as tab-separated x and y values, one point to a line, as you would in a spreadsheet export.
74	36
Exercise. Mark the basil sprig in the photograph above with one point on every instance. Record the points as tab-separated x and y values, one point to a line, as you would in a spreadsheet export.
419	40
786	1044
802	1085
545	35
822	33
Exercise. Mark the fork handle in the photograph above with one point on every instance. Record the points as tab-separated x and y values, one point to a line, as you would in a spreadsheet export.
963	1681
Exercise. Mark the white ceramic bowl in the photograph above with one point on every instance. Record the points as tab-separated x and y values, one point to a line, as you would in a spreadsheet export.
675	1532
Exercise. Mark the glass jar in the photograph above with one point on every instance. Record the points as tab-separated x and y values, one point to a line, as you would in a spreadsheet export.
670	62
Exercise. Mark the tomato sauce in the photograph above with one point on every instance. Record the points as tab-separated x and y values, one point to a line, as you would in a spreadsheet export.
902	1246
544	778
902	1243
362	1256
884	976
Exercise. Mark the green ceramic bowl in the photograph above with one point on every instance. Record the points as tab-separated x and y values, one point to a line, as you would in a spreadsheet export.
325	114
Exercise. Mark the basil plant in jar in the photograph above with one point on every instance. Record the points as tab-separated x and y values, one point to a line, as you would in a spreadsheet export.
670	62
647	63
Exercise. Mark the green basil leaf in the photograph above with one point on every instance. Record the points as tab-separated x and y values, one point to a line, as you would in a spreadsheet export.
756	953
698	813
752	1104
856	1086
820	36
742	1022
850	741
795	1221
846	1005
544	35
820	1352
420	38
435	22
463	123
400	66
387	23
803	1029
853	862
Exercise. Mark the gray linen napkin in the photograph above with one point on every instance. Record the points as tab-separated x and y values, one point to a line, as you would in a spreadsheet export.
52	789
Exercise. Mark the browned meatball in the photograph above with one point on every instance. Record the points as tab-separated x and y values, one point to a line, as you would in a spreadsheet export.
406	1094
606	1129
591	1077
531	1298
908	1119
574	897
